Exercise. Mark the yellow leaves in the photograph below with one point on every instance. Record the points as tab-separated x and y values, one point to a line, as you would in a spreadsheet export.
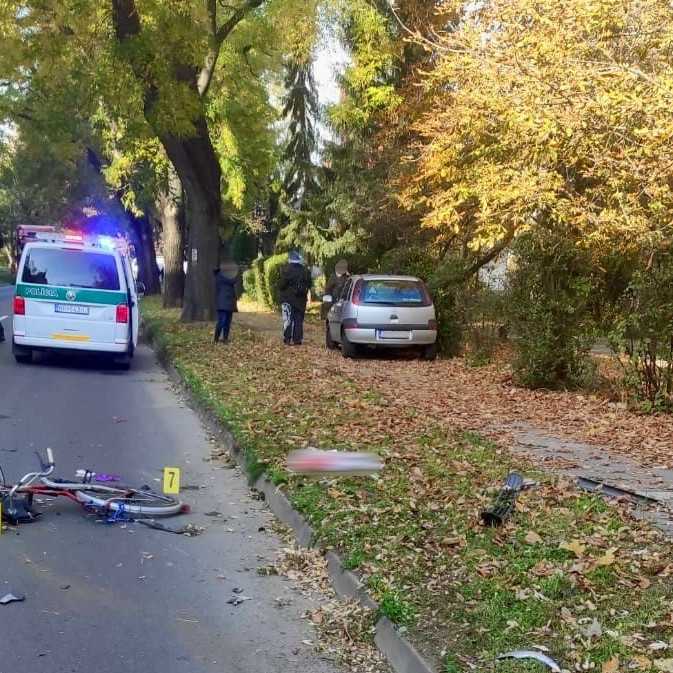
607	559
611	665
551	93
575	547
532	537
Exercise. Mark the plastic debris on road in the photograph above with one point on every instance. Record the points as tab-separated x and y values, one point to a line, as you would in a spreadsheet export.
532	654
319	462
11	598
237	600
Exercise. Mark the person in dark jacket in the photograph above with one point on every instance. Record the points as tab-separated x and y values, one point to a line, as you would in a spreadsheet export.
225	297
335	285
294	286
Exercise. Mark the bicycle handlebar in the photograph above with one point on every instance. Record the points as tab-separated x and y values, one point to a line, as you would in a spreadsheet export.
29	478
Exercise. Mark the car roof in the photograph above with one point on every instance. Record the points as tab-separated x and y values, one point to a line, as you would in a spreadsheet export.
384	276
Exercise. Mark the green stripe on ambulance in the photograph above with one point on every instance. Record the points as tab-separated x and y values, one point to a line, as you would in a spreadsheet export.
70	294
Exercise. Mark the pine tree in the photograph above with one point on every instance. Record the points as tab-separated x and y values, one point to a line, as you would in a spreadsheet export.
301	110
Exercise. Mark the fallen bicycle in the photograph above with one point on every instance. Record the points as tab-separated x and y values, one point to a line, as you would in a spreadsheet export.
115	502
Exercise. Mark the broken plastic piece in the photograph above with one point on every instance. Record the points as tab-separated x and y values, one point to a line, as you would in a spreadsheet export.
190	530
503	504
532	654
11	598
237	600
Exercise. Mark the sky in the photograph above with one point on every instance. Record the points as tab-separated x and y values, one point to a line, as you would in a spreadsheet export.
330	61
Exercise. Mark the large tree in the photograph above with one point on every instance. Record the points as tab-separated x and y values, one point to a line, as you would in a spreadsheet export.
553	114
173	71
164	60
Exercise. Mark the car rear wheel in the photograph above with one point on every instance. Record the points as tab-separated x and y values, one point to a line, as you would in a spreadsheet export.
348	349
429	352
329	342
22	355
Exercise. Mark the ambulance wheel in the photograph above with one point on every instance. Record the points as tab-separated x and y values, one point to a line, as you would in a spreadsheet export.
124	361
22	355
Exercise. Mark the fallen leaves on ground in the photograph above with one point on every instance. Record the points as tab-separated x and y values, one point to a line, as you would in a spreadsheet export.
344	628
559	570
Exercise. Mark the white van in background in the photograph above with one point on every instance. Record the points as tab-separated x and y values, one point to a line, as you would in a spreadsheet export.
75	294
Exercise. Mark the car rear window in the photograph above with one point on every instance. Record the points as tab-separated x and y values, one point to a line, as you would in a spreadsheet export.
395	292
71	268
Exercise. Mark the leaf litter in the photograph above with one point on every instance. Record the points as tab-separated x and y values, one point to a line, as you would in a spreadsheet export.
556	573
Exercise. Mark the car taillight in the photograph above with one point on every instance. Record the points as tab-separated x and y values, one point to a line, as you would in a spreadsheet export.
432	324
350	323
357	293
19	306
122	313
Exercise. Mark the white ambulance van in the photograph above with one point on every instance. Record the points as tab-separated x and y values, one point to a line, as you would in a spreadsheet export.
78	294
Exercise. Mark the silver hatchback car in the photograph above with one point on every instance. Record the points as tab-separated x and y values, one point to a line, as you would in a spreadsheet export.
379	310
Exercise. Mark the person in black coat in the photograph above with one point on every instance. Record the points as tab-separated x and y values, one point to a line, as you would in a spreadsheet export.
335	286
294	286
225	297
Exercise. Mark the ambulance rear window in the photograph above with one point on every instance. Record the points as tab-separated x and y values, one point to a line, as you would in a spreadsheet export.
71	268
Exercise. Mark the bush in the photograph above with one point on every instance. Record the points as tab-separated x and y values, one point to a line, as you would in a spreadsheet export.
272	270
250	284
447	286
643	330
484	310
412	261
257	268
549	311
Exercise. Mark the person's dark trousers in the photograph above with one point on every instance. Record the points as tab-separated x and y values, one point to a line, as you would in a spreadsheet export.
223	325
293	324
2	333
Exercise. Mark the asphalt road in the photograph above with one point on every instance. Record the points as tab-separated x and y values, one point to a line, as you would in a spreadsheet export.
117	598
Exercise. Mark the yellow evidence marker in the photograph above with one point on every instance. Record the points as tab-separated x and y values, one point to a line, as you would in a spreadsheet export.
171	480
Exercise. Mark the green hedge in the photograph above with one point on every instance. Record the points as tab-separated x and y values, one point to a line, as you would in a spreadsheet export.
260	280
272	270
250	284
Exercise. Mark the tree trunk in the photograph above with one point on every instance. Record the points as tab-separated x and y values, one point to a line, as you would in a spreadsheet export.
168	205
199	170
148	273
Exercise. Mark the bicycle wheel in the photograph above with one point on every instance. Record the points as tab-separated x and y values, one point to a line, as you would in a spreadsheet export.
136	503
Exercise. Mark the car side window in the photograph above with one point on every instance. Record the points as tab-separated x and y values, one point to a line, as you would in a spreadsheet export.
346	291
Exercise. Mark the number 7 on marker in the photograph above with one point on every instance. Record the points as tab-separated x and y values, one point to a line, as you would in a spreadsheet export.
172	480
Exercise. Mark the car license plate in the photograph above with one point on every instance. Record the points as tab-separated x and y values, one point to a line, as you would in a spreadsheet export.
76	309
392	334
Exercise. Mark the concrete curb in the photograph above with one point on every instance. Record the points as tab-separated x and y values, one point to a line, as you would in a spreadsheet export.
401	655
283	510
